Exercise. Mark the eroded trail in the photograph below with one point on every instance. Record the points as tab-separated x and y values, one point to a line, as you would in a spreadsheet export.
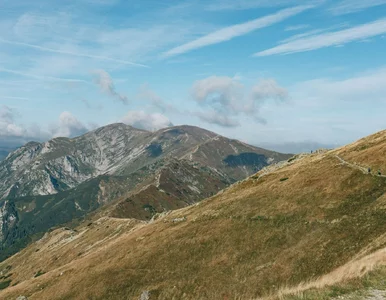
358	167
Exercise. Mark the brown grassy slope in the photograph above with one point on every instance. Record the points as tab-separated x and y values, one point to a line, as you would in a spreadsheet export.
357	280
295	224
367	152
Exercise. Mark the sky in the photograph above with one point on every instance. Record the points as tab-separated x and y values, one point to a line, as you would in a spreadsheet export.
286	74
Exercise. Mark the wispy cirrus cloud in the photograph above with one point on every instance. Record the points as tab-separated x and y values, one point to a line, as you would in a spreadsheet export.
314	32
352	6
73	39
45	49
39	77
329	39
247	4
230	32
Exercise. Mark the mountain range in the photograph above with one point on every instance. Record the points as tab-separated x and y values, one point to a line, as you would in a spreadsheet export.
141	173
309	227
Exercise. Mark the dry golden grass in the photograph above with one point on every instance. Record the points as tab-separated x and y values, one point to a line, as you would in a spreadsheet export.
353	269
323	224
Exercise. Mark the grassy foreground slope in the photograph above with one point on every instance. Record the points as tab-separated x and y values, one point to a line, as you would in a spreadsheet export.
312	222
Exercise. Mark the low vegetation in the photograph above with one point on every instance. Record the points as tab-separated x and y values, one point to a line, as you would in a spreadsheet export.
5	284
315	238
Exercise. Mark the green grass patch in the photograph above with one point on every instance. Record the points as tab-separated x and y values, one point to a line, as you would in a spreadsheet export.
5	284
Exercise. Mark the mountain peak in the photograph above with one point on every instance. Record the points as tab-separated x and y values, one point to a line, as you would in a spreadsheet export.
117	126
187	129
32	144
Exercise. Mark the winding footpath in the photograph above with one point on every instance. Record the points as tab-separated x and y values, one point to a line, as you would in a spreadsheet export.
360	168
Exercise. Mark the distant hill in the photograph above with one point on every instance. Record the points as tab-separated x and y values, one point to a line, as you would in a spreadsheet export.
142	173
296	227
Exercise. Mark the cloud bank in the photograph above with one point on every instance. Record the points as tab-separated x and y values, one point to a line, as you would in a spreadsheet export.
14	134
8	127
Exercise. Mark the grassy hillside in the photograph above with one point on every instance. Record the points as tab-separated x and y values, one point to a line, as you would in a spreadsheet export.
134	196
313	222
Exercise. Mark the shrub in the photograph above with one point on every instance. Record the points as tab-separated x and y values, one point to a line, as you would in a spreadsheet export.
5	284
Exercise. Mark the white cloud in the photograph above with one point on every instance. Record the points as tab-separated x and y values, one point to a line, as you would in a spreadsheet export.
7	123
147	121
267	89
351	6
329	39
225	97
106	84
221	93
68	126
228	33
12	133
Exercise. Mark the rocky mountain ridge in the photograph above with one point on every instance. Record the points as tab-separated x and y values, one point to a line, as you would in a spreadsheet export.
61	164
140	173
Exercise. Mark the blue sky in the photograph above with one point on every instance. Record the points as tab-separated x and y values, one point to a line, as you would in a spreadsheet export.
277	72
